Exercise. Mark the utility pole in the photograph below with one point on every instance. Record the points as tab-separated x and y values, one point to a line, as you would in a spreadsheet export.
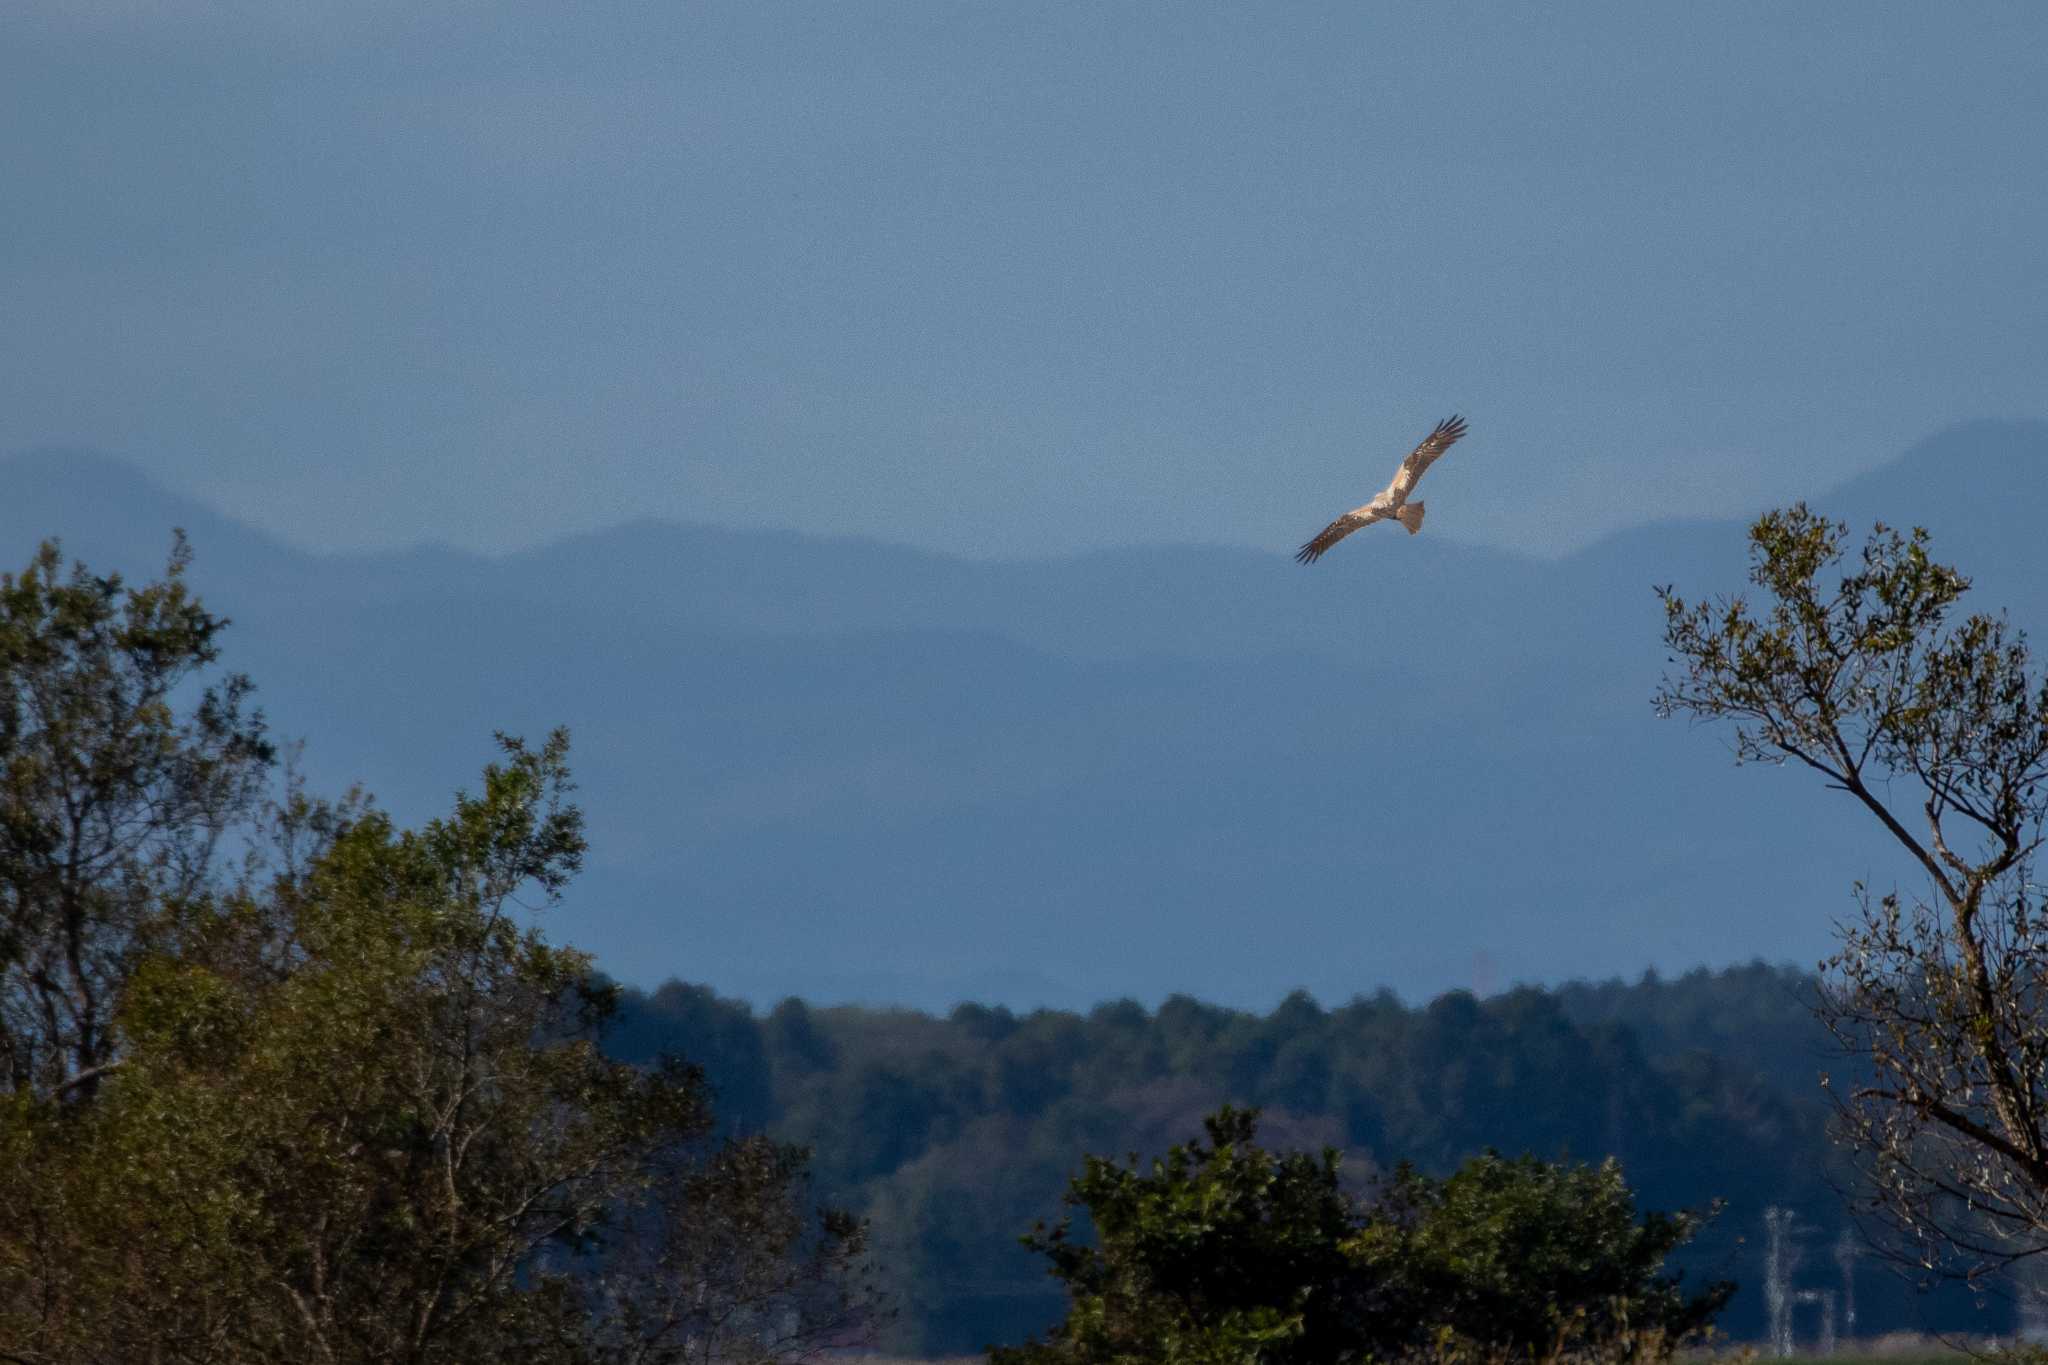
1846	1251
1778	1262
2030	1286
1826	1299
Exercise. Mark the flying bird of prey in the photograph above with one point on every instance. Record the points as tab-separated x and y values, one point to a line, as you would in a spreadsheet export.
1393	503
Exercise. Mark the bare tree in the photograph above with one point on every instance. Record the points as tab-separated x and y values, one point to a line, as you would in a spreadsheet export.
1856	672
727	1264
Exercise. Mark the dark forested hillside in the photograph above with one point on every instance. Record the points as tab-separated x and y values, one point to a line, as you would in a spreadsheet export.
954	1133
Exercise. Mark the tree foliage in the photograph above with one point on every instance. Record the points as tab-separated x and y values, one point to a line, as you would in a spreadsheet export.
1936	727
1531	1260
1221	1252
117	784
351	1104
1226	1252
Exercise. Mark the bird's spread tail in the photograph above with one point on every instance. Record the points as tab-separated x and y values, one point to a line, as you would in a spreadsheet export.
1409	514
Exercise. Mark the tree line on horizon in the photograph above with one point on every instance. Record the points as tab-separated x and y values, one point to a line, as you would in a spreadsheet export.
953	1132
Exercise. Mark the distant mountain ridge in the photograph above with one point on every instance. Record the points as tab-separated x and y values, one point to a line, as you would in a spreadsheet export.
852	770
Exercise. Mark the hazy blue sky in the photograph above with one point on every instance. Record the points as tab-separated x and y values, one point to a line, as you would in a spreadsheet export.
1011	279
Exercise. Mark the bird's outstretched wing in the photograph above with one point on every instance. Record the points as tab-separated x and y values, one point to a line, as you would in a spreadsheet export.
1336	531
1422	457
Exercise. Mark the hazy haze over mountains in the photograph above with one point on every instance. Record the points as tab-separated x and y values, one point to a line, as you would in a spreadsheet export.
854	771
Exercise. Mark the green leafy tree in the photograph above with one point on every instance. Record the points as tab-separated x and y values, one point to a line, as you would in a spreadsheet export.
362	1116
349	1106
1857	671
1532	1261
1221	1252
118	782
1225	1252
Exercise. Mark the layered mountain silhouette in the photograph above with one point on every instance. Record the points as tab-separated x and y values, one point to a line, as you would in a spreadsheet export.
854	771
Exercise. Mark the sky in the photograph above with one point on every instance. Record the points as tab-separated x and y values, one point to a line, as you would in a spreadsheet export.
1011	280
